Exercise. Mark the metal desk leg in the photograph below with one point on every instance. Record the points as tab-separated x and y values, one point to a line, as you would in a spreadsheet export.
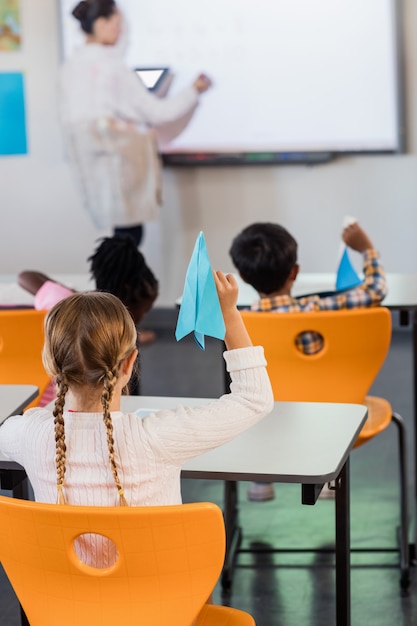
343	547
21	490
413	549
15	481
233	532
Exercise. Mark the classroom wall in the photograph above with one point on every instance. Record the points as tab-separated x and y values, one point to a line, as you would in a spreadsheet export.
45	227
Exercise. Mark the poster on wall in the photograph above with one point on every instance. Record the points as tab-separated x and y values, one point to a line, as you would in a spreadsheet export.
10	38
12	114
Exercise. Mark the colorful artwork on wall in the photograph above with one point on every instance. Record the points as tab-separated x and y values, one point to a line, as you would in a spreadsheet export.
10	36
12	114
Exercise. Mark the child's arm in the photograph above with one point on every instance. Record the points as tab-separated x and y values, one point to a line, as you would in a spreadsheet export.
185	432
356	238
374	288
236	334
32	281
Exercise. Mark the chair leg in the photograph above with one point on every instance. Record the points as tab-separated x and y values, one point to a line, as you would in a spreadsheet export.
404	554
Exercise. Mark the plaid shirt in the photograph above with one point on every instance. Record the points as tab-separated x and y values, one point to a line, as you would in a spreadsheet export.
369	293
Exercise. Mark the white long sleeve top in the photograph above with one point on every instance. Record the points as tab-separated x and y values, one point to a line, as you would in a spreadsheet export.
110	122
150	451
96	83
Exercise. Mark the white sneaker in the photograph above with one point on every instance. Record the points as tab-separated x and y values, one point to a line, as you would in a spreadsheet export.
261	492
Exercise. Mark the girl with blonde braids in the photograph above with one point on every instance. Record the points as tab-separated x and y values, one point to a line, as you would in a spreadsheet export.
86	451
89	363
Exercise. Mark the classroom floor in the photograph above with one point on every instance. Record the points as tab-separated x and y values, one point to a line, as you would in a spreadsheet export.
297	588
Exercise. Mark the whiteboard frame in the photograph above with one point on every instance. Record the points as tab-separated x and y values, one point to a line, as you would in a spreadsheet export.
268	157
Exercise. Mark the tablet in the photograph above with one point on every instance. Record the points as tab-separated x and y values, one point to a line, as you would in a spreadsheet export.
152	77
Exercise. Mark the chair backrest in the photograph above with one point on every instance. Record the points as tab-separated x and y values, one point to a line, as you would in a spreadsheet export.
169	560
356	343
21	343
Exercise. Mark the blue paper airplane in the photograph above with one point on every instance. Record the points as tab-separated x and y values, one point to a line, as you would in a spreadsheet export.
347	277
200	310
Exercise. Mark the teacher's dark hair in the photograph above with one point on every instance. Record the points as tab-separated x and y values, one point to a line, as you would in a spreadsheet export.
88	11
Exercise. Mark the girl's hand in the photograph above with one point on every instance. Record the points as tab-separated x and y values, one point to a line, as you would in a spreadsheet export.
227	290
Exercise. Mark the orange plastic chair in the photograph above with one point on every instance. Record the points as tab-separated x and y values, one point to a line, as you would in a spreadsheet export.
168	561
21	343
356	343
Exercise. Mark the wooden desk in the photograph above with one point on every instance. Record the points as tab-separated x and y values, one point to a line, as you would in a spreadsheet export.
304	443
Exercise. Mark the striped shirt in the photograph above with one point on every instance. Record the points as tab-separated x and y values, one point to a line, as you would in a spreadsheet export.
370	293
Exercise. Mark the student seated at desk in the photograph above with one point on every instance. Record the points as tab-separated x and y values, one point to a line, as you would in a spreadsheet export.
265	256
86	451
117	267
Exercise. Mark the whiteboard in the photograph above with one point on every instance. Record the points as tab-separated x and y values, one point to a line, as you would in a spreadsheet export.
290	77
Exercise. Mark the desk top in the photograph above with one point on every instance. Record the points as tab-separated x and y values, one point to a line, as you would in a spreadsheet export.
402	289
14	398
297	443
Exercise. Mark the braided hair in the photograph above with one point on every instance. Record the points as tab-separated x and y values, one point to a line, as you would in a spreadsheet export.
118	267
87	338
88	11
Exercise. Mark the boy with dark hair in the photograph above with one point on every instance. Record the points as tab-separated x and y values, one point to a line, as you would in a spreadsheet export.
265	256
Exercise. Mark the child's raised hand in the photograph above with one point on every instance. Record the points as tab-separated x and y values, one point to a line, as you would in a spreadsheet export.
356	238
227	290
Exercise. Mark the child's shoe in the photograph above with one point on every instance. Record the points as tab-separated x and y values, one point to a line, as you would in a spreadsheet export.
261	492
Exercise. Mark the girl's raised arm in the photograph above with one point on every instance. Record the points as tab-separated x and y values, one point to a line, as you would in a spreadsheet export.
236	334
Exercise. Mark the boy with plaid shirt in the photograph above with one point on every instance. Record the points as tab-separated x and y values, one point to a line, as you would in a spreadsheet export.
265	256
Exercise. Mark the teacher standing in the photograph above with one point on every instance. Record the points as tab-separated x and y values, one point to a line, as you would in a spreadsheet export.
110	121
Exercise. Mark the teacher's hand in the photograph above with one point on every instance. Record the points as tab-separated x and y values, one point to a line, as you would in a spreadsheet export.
202	83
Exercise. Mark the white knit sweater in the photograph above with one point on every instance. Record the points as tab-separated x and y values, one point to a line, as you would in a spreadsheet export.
149	451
